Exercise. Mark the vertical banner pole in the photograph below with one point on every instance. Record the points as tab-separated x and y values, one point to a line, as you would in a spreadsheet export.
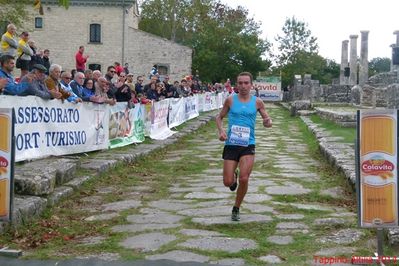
12	165
380	241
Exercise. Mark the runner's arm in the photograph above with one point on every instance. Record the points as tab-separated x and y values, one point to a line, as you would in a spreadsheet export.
267	121
219	119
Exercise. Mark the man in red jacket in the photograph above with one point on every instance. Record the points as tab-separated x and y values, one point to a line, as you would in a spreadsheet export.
81	59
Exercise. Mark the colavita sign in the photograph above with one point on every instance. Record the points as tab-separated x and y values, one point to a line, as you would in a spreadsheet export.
6	163
377	173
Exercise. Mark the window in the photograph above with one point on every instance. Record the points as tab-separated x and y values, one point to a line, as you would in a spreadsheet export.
95	33
38	23
95	67
163	69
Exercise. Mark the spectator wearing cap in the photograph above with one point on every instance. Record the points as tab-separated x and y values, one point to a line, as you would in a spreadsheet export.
7	63
37	86
24	53
8	42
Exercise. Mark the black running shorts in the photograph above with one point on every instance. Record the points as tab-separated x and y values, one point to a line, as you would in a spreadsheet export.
233	152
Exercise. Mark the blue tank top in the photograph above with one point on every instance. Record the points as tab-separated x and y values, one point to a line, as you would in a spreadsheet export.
242	119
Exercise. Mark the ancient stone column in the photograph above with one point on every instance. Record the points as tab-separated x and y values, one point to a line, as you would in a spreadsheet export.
396	32
364	63
353	60
344	63
395	53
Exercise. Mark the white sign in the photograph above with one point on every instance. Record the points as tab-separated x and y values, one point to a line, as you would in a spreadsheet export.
52	127
269	88
159	126
177	115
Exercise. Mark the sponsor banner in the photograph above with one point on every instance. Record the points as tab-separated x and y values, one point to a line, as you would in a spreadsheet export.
6	163
208	101
159	126
177	115
269	88
52	127
126	125
219	100
214	102
201	102
377	168
191	107
148	114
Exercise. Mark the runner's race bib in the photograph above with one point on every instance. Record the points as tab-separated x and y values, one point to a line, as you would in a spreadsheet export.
239	135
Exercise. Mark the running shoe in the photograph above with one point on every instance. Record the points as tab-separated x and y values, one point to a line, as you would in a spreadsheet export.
235	214
234	185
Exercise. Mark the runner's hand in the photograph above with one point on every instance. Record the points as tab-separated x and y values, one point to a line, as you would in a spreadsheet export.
267	122
222	135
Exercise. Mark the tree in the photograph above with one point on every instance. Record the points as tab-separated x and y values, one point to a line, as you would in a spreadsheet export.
303	62
13	11
16	12
224	40
296	38
299	55
379	65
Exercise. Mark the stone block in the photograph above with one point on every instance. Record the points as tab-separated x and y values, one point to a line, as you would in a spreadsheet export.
40	177
27	207
99	165
393	96
368	96
78	182
58	194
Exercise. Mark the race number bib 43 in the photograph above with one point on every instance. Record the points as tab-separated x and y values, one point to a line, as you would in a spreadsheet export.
240	135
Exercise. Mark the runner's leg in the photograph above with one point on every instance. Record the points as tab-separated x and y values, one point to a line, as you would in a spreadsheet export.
229	166
245	165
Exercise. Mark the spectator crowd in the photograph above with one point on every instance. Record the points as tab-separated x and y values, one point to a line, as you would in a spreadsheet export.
41	78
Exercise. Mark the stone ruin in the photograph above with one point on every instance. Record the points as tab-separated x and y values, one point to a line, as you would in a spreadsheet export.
354	85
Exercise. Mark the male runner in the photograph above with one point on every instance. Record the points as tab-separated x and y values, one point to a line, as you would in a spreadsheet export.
239	149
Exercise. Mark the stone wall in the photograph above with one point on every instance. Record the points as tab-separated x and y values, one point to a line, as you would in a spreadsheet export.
312	90
392	97
64	30
145	50
383	79
380	91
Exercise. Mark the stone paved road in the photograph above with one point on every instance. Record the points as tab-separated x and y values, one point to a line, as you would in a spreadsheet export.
282	220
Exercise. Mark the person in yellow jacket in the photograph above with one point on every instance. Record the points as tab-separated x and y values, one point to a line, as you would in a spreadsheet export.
8	42
24	53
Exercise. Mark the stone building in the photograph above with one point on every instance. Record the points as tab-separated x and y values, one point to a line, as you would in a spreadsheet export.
109	31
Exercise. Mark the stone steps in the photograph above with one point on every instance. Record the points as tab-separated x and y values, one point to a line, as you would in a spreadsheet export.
43	183
39	178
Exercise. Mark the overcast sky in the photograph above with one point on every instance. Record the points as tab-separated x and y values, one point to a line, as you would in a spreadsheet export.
330	21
